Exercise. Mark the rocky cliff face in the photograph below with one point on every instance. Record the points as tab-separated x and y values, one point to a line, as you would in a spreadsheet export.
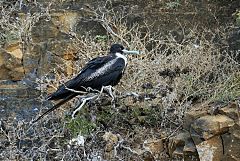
44	32
209	136
41	41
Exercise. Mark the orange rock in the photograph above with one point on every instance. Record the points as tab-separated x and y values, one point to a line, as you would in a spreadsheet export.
15	50
210	150
182	146
17	73
209	126
11	66
65	20
111	140
191	116
155	146
231	111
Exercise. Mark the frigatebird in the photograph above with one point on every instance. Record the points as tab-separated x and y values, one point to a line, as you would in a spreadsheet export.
97	73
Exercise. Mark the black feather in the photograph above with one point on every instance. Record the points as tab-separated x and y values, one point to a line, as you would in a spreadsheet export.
55	106
86	78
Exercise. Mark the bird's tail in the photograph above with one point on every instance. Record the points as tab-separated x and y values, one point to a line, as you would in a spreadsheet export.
55	106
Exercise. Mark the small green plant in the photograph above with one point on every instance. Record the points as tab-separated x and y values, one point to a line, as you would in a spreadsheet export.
238	18
173	5
101	38
228	91
80	125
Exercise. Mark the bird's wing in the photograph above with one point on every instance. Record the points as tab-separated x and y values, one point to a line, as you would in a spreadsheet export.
110	77
89	68
96	63
76	82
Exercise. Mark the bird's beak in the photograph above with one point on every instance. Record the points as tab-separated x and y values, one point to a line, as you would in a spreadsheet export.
130	51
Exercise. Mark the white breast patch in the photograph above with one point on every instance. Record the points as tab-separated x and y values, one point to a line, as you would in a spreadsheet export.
101	70
119	55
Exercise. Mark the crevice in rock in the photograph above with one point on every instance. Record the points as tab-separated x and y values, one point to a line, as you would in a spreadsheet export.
223	148
23	51
39	66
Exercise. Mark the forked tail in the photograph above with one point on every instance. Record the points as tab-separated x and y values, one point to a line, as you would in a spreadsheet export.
55	106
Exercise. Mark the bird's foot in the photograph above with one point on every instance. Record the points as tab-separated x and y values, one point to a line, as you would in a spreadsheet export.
84	101
109	89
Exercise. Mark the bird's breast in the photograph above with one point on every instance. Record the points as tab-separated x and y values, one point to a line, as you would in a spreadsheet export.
119	55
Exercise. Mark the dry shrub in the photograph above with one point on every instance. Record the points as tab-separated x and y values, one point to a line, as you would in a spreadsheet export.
196	67
179	73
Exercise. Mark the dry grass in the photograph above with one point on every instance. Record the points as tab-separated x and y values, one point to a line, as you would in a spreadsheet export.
178	74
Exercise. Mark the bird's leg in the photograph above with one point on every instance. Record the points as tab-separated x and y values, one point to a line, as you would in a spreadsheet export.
101	92
84	101
109	89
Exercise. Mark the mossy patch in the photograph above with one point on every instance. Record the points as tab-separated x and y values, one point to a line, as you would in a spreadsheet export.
80	125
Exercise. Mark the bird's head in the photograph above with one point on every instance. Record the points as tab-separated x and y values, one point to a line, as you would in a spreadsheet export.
118	48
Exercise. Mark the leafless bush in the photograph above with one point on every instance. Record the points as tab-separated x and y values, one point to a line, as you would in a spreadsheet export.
168	78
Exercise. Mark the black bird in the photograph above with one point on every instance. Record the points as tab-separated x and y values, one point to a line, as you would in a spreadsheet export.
98	72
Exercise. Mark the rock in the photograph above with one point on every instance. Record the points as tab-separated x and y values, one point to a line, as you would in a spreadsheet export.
18	101
177	143
3	71
44	30
65	21
94	28
231	142
197	139
10	89
39	61
217	137
31	59
11	65
209	126
191	116
17	73
111	140
62	52
231	111
182	147
15	50
210	150
155	146
147	156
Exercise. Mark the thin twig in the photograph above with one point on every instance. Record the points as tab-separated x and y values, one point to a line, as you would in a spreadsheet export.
84	101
